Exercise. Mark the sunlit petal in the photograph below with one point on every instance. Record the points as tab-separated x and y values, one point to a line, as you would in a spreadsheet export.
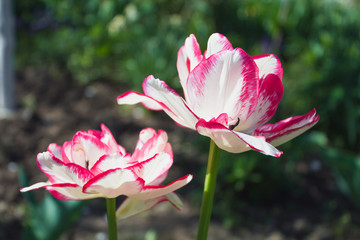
216	43
226	82
235	142
287	129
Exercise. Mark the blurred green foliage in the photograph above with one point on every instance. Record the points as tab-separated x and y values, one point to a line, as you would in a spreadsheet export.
317	41
125	41
118	40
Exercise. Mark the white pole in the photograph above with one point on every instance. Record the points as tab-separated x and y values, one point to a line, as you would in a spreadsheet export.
7	91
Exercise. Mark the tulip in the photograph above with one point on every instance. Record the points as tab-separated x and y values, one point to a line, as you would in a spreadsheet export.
93	165
229	96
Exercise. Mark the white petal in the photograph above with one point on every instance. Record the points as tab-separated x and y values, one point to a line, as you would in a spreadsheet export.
110	141
149	144
268	64
172	103
90	147
55	150
71	193
114	183
132	206
35	186
153	168
188	58
216	43
287	129
62	191
226	82
59	172
157	191
134	98
235	142
108	162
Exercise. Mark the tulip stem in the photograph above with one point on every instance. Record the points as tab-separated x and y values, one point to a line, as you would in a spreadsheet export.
209	190
111	218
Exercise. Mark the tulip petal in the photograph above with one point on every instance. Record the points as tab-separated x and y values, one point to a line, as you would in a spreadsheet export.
158	96
270	93
268	64
150	192
114	183
287	129
67	155
132	97
112	161
235	142
90	147
149	144
56	150
35	186
153	168
58	172
226	82
172	103
70	192
62	191
133	206
110	141
159	180
216	43
188	57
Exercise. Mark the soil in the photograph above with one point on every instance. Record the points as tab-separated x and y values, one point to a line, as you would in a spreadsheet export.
52	107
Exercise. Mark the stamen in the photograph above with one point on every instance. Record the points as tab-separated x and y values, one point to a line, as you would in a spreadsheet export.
87	164
232	126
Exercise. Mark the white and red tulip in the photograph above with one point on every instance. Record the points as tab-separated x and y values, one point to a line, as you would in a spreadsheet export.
228	96
93	165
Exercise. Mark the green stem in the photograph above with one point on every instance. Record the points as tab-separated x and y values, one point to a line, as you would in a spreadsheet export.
111	218
209	190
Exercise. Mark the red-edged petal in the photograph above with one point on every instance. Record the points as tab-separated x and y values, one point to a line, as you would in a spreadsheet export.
73	152
58	172
153	168
149	144
131	206
226	82
172	103
268	64
70	192
35	186
88	148
114	183
158	96
150	192
56	150
159	180
110	141
188	58
112	161
134	98
271	91
287	129
235	142
62	191
66	154
216	43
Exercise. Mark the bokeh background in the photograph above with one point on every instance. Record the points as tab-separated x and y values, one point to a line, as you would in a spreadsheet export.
73	58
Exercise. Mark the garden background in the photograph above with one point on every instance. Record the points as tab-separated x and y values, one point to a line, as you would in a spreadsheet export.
73	58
